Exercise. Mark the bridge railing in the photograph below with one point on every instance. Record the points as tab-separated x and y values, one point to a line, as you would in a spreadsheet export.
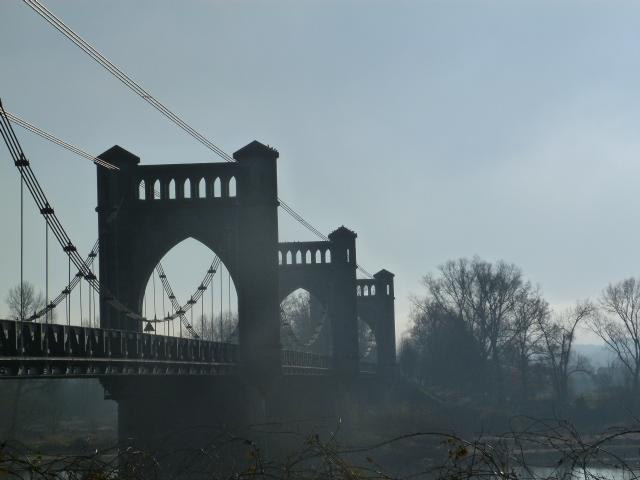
28	340
38	349
291	358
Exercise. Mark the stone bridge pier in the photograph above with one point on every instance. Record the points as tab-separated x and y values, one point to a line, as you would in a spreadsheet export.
143	212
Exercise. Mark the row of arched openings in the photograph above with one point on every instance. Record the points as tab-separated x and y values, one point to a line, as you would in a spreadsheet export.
369	290
219	188
297	258
365	290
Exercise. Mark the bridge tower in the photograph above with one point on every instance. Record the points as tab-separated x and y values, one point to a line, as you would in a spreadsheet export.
376	307
327	270
344	331
145	210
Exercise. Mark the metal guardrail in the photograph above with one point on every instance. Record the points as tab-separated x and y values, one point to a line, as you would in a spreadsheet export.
37	349
29	349
304	363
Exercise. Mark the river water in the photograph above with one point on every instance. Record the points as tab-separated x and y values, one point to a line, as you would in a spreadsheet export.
591	473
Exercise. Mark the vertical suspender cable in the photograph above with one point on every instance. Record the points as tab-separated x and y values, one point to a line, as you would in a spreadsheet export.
89	294
221	297
46	285
202	316
21	248
80	287
93	298
153	278
212	337
46	270
155	315
21	260
166	326
229	298
69	295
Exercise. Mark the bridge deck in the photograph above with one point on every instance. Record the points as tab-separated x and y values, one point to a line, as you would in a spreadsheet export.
37	350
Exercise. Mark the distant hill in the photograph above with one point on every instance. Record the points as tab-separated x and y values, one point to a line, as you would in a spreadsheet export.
598	355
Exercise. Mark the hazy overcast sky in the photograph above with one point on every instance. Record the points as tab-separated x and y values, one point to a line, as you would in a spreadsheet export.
435	129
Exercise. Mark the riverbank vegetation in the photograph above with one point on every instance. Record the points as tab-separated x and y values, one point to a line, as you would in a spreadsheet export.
532	450
484	337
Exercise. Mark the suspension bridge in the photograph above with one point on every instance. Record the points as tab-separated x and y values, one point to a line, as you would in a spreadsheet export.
133	200
231	207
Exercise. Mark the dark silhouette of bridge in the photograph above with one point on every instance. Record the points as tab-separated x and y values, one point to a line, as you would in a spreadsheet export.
146	210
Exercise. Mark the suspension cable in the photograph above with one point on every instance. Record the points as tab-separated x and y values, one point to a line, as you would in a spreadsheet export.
79	151
69	296
89	300
125	79
212	314
166	324
37	193
179	311
192	317
59	25
51	305
58	230
52	138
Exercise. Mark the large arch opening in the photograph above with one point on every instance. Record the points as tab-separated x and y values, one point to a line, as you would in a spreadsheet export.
304	323
367	347
205	300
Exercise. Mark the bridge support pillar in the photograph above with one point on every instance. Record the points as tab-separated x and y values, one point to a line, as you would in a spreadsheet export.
343	309
385	323
174	418
117	265
258	307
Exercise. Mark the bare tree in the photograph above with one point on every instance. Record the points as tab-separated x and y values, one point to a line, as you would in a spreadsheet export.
484	296
23	302
221	329
296	311
530	312
558	334
304	320
447	353
366	342
619	325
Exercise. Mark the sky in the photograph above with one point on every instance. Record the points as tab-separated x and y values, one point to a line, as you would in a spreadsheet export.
434	129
